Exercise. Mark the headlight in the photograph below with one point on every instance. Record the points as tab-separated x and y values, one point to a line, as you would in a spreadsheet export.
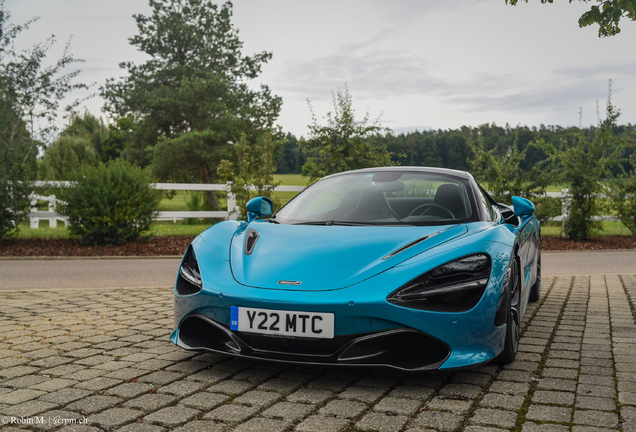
189	279
453	287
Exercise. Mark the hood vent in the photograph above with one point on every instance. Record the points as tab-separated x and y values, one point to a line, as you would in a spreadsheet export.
410	245
251	237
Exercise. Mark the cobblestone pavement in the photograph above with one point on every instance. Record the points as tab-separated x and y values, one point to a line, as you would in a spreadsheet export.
103	360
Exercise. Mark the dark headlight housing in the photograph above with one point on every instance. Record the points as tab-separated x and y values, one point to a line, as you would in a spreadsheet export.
456	286
189	280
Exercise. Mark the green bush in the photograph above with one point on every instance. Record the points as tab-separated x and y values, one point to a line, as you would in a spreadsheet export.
623	200
112	203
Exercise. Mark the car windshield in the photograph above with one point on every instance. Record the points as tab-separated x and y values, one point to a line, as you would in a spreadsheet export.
382	198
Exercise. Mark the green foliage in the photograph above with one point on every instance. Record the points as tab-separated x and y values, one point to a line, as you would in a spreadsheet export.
344	143
192	97
505	178
67	154
111	203
583	166
254	166
607	15
30	96
622	192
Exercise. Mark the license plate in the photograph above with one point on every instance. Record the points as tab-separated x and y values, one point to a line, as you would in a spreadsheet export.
280	322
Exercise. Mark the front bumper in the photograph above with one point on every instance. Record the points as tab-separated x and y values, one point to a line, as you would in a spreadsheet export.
368	329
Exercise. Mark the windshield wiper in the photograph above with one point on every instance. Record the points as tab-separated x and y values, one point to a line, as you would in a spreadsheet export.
345	223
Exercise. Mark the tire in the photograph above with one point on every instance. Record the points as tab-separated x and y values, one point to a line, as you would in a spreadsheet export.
513	321
535	291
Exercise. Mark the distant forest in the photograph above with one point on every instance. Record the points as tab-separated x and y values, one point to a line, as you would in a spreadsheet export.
449	148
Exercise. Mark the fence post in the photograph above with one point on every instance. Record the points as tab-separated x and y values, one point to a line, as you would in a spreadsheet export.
34	222
565	208
232	209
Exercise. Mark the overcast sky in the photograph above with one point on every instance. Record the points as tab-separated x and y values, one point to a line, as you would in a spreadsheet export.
419	64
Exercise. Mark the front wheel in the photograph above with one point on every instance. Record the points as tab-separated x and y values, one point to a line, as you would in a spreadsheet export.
513	321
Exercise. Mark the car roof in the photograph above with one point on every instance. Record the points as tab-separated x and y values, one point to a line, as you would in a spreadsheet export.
431	170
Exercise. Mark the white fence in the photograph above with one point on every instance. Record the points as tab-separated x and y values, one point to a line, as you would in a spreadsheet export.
232	209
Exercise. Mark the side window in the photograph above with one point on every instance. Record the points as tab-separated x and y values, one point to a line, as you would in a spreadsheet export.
487	206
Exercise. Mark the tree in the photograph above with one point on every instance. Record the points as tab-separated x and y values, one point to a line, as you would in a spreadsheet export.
583	166
607	15
344	143
81	143
504	178
254	166
191	99
30	97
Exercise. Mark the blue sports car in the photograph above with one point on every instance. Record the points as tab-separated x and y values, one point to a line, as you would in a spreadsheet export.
405	267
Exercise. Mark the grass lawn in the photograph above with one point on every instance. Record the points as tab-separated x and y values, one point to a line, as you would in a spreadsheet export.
609	228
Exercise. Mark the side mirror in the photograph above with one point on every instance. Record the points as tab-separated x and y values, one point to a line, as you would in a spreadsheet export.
259	206
522	206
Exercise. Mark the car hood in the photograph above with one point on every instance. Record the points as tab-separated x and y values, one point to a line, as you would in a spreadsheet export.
321	258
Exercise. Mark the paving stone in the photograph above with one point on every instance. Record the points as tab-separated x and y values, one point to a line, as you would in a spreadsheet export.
596	403
533	427
471	378
482	429
554	372
595	418
509	388
172	416
362	394
205	401
98	384
126	374
201	426
595	390
260	424
210	376
94	404
141	427
496	400
25	381
161	378
114	417
381	422
150	402
441	421
258	398
446	404
598	380
512	375
494	417
412	392
288	411
549	413
84	375
553	397
28	409
231	387
65	396
310	395
461	390
21	395
343	408
318	423
129	390
54	384
182	388
556	384
334	384
232	414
